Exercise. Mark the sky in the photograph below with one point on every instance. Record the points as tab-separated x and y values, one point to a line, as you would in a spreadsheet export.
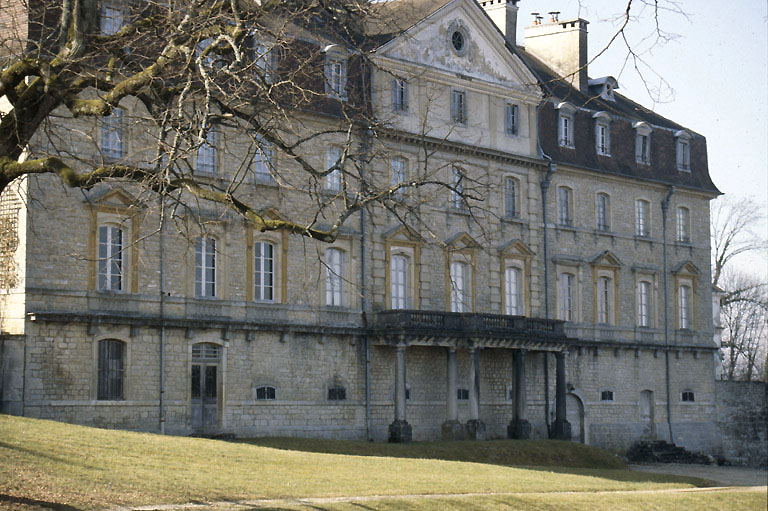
709	74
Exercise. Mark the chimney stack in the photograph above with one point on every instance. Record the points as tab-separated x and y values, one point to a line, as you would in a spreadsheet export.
504	14
562	45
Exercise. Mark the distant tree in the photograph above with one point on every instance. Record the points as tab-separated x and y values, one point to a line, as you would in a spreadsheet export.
744	304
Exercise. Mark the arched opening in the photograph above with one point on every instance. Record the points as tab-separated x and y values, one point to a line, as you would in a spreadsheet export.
204	386
575	415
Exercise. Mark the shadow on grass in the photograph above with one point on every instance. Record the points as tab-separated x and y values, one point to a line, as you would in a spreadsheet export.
38	504
540	455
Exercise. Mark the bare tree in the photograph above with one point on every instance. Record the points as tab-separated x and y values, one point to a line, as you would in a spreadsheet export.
744	304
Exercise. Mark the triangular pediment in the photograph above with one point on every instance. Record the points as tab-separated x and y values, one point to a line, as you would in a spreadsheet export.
486	57
686	268
461	241
515	247
402	233
112	198
606	258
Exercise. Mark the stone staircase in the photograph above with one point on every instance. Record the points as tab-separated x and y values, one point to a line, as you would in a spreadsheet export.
659	451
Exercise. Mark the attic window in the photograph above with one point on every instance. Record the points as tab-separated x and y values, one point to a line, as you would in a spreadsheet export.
458	40
683	151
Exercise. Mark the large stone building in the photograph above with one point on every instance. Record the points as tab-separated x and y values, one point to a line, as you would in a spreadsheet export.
556	283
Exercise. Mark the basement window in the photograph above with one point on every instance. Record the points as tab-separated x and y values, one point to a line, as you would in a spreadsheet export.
266	393
606	395
688	396
337	394
462	394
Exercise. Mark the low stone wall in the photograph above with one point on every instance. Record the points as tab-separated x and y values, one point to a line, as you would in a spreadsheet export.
742	421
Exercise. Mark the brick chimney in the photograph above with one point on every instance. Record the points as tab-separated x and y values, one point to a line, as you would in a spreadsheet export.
562	45
504	15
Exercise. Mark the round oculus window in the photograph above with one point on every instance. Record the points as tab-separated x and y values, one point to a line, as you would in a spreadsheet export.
458	41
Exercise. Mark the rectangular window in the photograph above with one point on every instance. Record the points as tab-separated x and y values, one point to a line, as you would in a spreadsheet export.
112	135
688	396
110	258
336	78
399	281
644	304
332	159
566	130
264	271
683	155
265	60
266	393
334	277
606	395
642	224
514	295
684	307
206	153
604	301
683	225
112	19
603	139
262	160
111	370
462	394
566	297
337	394
564	206
643	149
457	191
205	267
510	198
459	297
458	106
511	119
602	212
399	95
398	175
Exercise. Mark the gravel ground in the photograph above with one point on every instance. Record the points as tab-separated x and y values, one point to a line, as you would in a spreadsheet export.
726	476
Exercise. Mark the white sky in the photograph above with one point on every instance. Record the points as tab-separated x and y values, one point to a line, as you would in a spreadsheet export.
716	65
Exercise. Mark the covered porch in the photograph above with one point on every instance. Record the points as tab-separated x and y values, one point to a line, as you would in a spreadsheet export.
470	332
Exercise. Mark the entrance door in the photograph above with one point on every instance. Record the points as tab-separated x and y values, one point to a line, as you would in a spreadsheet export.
647	414
205	387
574	413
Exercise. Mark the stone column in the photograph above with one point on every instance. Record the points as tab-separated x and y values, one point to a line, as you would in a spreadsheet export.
475	427
561	429
452	428
519	427
400	430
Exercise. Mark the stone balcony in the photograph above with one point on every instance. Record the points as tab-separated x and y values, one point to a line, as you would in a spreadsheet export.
437	327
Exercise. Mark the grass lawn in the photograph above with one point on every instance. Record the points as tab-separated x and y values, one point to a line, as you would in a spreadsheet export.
73	467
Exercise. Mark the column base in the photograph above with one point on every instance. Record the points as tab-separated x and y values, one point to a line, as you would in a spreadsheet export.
519	429
561	430
475	429
454	430
400	432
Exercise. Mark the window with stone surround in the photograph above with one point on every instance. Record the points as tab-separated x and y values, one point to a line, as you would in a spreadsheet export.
603	212
399	276
334	277
333	156
566	296
111	370
684	307
683	150
337	393
642	143
399	94
602	133
112	146
565	206
688	396
398	167
207	157
644	304
460	299
511	119
642	218
205	267
513	283
511	197
459	106
110	263
462	394
266	393
683	225
264	271
606	395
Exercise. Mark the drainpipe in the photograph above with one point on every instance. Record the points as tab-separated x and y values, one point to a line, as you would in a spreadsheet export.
162	316
551	168
664	208
364	287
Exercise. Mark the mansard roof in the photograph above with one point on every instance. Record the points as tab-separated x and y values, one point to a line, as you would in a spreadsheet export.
626	115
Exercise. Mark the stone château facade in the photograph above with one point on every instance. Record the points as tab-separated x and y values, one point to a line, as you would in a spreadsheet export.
559	286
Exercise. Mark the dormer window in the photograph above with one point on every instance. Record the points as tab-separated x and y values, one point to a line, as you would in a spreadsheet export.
683	151
335	71
565	122
642	143
602	133
604	87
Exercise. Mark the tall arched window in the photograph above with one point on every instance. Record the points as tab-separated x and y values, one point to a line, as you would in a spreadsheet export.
264	271
205	267
514	292
459	287
334	277
110	258
399	281
111	370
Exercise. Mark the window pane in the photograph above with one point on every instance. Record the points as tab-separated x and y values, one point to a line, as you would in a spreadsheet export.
110	370
263	271
399	282
513	292
510	197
